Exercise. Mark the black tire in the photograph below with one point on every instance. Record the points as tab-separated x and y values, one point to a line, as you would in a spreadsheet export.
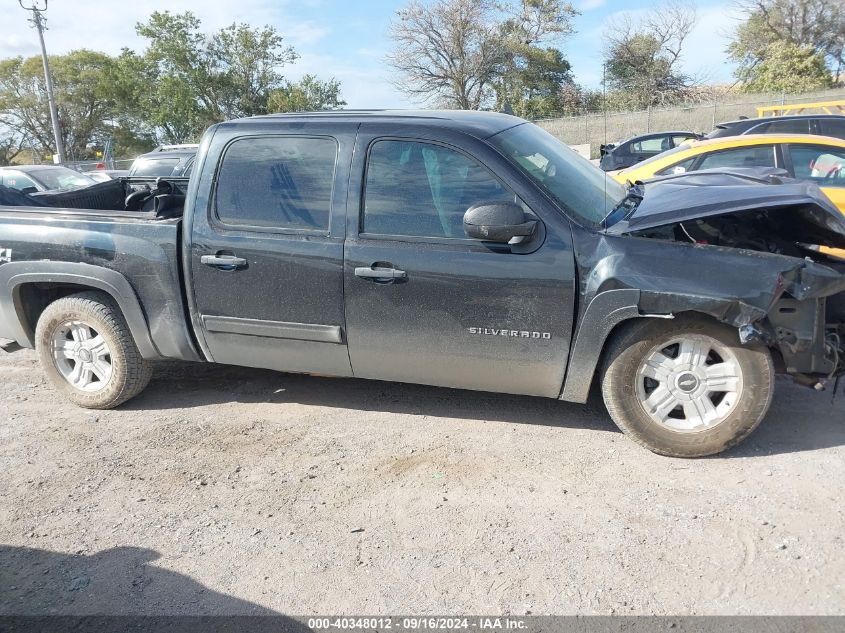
627	353
129	374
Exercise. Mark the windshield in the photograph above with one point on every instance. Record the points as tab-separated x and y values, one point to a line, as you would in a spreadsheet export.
58	178
154	166
581	188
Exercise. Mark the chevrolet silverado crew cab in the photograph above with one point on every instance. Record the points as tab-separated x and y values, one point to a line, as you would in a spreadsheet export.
461	249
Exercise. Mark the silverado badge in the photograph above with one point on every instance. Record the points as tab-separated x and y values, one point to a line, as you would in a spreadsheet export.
510	333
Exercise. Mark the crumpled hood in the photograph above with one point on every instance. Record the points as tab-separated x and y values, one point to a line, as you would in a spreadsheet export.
715	192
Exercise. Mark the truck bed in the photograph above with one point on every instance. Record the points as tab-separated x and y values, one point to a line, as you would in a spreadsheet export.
163	197
139	247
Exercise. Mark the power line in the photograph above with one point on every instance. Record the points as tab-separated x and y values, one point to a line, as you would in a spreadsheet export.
38	20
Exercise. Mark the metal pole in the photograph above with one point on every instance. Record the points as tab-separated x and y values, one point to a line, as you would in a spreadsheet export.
604	97
38	21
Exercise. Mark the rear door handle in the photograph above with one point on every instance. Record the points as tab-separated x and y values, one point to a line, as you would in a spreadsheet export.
380	272
223	262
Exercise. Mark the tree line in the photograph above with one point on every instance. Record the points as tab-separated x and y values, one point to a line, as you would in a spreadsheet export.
507	54
182	82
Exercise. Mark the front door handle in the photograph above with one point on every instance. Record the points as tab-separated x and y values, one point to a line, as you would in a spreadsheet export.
380	271
223	262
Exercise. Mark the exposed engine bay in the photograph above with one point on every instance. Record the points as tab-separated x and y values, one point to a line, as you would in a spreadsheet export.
757	230
778	261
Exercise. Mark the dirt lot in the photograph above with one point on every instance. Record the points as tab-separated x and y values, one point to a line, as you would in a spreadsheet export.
225	490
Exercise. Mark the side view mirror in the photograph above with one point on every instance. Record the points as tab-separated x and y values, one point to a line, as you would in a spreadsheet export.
29	190
500	222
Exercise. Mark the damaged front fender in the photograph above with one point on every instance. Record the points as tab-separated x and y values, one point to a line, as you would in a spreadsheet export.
777	299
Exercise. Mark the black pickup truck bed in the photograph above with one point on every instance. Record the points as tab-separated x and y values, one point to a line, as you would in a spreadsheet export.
132	255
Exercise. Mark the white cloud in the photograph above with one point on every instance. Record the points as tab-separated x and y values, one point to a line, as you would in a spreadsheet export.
75	24
110	25
705	50
591	5
362	86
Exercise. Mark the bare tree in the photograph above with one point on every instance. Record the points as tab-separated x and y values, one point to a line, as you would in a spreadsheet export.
11	145
446	53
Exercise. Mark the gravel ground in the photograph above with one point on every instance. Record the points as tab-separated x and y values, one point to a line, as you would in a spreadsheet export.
223	490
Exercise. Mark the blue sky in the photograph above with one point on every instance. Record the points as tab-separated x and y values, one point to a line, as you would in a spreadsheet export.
344	39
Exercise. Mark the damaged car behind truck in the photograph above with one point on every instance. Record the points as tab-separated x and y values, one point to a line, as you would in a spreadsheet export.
459	249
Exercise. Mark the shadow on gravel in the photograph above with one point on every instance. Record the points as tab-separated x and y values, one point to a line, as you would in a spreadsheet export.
177	385
119	581
799	419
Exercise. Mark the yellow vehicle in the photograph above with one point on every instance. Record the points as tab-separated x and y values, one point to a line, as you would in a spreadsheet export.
820	159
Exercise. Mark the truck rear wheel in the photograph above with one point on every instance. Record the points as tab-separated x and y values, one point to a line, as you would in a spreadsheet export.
686	387
88	353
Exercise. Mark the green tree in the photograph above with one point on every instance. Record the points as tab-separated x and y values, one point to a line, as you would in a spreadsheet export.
785	67
189	80
534	74
817	24
308	94
643	58
83	97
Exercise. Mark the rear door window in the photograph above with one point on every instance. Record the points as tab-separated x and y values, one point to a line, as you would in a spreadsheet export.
679	140
753	156
277	182
651	145
822	164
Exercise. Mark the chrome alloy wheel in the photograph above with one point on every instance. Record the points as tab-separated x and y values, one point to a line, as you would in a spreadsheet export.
82	356
690	383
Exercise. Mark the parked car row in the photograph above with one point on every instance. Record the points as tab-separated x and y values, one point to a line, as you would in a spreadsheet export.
35	178
640	148
632	151
174	161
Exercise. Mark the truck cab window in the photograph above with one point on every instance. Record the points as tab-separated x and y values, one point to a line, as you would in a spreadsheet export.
277	182
421	189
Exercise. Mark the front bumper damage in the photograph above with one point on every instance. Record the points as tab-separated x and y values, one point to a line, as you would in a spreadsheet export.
739	245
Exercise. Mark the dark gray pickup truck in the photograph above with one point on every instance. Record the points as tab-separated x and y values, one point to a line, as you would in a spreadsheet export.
468	250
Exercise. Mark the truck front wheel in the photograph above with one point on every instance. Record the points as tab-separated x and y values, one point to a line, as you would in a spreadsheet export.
88	353
686	387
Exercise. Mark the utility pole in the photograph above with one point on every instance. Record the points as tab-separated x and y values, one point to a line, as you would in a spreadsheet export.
604	97
38	21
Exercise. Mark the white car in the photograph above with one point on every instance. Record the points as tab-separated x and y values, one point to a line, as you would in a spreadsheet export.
35	178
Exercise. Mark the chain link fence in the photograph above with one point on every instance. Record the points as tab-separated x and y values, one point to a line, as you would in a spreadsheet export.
88	165
596	128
